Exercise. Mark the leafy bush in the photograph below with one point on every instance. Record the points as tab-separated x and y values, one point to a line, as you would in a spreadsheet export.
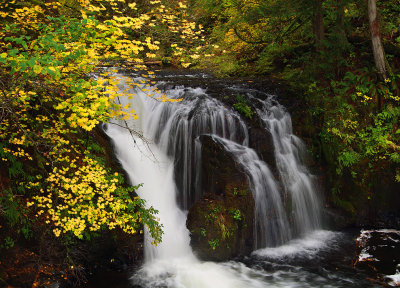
243	107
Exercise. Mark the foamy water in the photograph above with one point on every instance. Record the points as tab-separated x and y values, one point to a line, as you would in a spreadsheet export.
307	247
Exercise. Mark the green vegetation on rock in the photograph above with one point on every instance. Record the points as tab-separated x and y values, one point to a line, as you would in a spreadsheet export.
243	107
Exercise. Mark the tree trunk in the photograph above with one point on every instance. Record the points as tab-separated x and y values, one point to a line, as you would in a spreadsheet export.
377	48
318	24
340	21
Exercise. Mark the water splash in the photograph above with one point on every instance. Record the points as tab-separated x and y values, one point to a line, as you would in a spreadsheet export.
307	247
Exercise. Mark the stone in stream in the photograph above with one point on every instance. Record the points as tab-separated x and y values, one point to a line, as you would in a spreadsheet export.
379	254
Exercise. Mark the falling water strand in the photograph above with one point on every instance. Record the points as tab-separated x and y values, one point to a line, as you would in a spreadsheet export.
290	156
271	225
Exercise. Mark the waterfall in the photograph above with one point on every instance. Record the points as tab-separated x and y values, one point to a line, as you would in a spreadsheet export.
167	160
172	263
145	162
290	154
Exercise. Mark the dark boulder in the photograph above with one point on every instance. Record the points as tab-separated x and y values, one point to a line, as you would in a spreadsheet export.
261	141
378	254
221	222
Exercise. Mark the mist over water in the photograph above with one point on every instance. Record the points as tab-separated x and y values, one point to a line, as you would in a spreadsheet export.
170	141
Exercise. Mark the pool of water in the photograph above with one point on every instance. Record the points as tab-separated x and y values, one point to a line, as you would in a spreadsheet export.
321	259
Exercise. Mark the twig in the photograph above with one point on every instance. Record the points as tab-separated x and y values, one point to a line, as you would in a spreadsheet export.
138	134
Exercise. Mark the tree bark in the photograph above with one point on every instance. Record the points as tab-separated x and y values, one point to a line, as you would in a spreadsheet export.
318	24
340	21
377	48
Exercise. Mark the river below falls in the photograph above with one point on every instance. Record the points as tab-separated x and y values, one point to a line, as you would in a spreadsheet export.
323	259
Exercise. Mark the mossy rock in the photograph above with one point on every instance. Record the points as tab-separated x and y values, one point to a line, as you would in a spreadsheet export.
221	222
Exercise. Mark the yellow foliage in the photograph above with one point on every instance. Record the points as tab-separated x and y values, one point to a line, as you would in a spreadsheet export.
76	194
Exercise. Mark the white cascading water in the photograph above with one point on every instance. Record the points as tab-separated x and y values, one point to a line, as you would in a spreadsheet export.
173	130
271	224
290	152
181	124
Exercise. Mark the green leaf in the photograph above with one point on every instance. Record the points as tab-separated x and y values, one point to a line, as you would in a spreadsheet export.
37	69
31	62
22	66
51	71
3	57
14	52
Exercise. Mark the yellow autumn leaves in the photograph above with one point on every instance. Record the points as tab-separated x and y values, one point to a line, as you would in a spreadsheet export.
48	112
87	198
55	96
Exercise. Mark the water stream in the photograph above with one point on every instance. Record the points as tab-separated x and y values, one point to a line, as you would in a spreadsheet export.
167	160
290	152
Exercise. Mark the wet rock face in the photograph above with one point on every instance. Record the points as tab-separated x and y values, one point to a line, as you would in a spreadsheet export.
221	222
379	254
218	168
261	141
